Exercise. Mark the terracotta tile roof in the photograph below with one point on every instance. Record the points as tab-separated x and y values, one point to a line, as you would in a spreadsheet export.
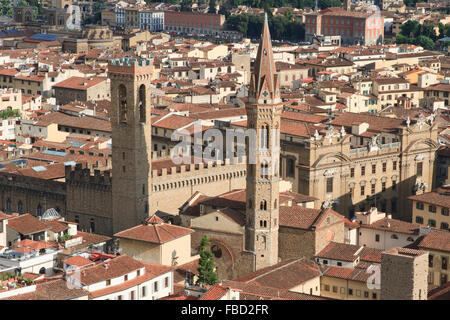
109	269
154	232
78	261
436	239
439	197
376	123
393	225
303	218
85	122
349	252
52	290
440	293
256	292
354	274
284	275
79	83
215	292
181	271
173	122
26	224
234	215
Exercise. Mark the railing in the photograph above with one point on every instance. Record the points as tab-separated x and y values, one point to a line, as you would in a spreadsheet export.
381	147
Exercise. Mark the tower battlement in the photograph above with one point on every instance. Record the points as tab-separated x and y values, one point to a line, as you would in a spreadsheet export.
130	66
79	174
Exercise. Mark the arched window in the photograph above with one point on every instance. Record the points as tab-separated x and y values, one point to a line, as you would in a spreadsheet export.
142	103
264	139
39	210
42	270
263	205
20	207
123	109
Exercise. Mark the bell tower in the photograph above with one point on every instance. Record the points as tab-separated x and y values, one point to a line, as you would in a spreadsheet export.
131	141
263	115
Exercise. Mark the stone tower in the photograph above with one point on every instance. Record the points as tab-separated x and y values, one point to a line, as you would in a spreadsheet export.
131	141
404	274
263	115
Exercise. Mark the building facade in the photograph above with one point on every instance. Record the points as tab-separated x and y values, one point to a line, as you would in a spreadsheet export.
365	28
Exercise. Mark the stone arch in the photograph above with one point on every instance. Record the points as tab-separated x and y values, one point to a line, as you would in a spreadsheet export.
338	155
427	141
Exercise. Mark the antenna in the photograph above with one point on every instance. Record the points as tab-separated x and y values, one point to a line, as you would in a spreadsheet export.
316	7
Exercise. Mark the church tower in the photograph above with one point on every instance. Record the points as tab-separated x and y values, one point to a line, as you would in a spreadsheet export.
263	115
131	141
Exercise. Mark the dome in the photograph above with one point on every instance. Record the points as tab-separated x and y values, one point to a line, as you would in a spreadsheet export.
51	214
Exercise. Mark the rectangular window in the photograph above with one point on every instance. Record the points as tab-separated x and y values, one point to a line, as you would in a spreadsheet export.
329	185
166	282
326	287
352	172
291	167
445	211
394	165
119	297
384	166
350	292
132	295
363	170
374	295
432	209
366	294
108	282
419	169
144	291
432	223
444	263
335	289
394	185
374	168
373	188
383	186
155	287
362	190
420	205
377	238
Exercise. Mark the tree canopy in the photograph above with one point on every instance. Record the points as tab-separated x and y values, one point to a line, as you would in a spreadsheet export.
206	273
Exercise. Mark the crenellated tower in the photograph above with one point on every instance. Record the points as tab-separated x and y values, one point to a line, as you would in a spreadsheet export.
131	141
263	115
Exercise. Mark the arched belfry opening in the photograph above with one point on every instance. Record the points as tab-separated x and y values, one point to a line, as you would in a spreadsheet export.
142	103
123	108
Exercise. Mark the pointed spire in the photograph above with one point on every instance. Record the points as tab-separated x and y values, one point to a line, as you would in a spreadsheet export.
264	81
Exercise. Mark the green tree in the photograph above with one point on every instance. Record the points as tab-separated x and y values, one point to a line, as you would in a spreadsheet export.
206	273
212	6
5	8
425	42
186	5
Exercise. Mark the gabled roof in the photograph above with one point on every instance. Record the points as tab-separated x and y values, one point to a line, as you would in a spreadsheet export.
284	275
303	218
26	224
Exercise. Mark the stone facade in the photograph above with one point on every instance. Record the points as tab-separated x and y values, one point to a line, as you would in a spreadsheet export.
131	141
263	116
404	274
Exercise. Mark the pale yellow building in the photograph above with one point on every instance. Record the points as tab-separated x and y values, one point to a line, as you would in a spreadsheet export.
432	208
157	242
